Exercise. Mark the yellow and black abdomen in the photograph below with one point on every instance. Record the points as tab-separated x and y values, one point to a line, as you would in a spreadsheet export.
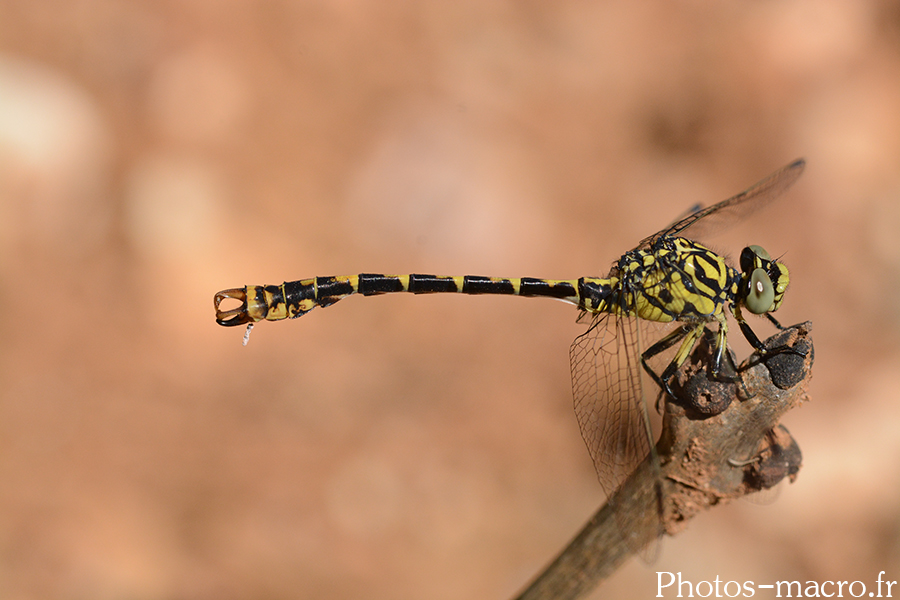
296	298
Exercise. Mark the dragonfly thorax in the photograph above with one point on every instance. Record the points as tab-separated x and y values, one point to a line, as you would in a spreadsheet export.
674	279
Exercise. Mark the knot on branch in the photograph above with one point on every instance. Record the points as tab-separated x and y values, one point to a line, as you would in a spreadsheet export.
721	440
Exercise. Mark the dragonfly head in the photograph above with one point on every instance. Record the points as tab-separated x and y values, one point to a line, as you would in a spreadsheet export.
763	281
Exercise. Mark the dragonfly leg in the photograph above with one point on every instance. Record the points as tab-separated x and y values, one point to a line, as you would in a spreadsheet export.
720	368
774	322
722	359
688	336
751	337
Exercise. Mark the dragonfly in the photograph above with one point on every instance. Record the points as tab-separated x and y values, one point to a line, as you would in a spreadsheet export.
668	278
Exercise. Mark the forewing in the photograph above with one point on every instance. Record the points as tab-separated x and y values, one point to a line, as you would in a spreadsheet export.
700	223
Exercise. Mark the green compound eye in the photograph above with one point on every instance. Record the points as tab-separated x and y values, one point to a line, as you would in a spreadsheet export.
761	294
760	252
751	256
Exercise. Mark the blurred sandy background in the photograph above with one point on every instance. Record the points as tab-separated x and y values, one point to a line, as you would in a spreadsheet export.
153	153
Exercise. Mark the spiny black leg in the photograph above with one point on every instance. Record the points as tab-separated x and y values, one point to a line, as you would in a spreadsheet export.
667	342
751	337
697	387
774	321
672	338
721	358
659	400
760	347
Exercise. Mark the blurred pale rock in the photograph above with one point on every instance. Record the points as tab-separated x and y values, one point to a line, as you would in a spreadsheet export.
54	162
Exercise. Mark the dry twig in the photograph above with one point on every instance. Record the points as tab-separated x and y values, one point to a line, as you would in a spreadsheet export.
719	441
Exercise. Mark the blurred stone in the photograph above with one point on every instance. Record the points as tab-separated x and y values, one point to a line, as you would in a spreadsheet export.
171	205
54	161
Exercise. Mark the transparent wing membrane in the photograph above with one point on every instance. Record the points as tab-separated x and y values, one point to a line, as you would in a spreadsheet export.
704	222
612	393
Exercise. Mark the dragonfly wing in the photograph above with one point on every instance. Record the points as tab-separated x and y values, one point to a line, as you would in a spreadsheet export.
704	222
610	407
